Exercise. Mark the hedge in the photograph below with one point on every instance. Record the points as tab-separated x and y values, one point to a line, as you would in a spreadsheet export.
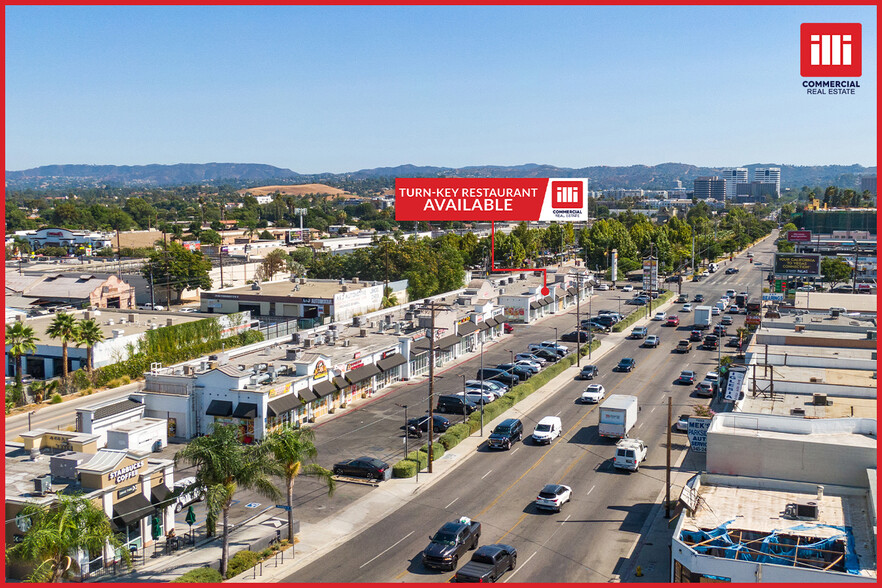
243	560
639	313
201	575
407	467
437	451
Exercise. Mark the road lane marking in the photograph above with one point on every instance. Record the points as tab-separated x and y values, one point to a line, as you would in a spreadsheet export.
485	475
522	565
653	409
405	572
592	488
451	503
387	549
515	449
523	516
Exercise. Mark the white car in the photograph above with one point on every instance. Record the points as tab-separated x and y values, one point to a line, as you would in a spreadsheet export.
553	496
185	496
593	394
603	287
476	395
149	306
660	316
730	293
188	309
682	423
686	307
531	357
627	288
530	365
712	377
715	311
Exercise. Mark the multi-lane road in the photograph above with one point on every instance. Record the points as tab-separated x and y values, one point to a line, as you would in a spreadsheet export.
597	530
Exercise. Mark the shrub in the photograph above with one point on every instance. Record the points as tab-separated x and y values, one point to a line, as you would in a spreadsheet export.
201	575
405	468
126	380
56	398
419	457
266	553
437	451
243	560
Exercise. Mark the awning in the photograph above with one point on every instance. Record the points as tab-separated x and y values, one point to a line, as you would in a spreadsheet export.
245	410
340	382
418	353
491	322
161	496
484	326
323	389
391	362
448	341
283	404
132	510
221	408
423	344
549	299
571	290
542	302
362	373
468	328
534	305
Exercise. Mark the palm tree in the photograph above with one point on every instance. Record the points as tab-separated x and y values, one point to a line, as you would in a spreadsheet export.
43	389
63	327
58	531
89	334
22	341
223	464
295	452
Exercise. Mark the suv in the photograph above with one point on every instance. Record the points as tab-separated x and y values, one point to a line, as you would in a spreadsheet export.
638	333
499	375
588	372
547	429
698	298
521	372
711	342
546	354
506	433
626	364
455	404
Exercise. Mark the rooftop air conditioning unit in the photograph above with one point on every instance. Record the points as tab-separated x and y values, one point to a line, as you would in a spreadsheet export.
347	343
307	343
819	399
131	318
169	322
295	338
807	511
344	288
362	333
356	321
43	484
354	280
797	411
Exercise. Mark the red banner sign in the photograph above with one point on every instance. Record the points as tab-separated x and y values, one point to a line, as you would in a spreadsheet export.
799	236
490	199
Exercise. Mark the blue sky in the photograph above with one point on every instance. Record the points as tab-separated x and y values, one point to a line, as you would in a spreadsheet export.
334	89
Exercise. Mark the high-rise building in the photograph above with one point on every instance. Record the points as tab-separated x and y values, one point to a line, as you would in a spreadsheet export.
868	183
755	192
768	175
733	177
705	187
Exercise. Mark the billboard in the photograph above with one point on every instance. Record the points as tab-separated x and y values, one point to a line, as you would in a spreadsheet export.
734	384
614	265
650	273
799	236
797	264
491	199
697	433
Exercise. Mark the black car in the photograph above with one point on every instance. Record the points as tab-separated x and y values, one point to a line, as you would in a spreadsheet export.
575	337
439	424
732	270
594	325
626	364
696	335
518	371
711	342
362	467
698	298
509	379
588	372
607	320
450	403
546	354
506	434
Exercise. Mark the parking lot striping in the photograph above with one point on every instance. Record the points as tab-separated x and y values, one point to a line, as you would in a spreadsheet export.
485	475
387	549
515	449
592	488
521	566
451	503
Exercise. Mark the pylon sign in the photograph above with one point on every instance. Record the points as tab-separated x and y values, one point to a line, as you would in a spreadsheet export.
650	273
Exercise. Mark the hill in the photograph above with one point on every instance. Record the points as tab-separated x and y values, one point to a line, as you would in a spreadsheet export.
294	190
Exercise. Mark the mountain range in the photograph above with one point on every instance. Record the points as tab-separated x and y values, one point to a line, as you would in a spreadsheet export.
662	176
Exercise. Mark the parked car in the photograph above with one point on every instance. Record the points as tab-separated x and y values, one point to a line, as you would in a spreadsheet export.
638	332
450	403
639	300
531	357
682	298
186	493
660	316
588	372
575	336
705	389
506	434
499	375
651	341
686	377
626	364
188	309
530	365
521	372
507	328
488	563
479	397
553	497
547	429
596	326
732	270
602	287
149	306
627	288
362	467
673	321
593	394
733	342
546	354
488	386
682	423
439	423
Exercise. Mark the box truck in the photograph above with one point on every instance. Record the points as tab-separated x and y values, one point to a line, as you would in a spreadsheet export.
702	317
618	414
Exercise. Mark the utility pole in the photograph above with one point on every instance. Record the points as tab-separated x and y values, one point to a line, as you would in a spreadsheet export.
693	254
433	307
855	269
152	299
668	468
167	274
578	322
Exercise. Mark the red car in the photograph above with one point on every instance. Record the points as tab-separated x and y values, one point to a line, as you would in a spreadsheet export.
507	328
673	321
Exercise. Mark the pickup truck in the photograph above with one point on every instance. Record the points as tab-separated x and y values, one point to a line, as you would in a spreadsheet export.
488	564
684	346
450	542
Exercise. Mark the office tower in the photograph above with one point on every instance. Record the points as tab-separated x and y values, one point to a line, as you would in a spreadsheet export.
705	187
733	177
768	175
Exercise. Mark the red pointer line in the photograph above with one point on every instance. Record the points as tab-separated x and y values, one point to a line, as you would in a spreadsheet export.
545	289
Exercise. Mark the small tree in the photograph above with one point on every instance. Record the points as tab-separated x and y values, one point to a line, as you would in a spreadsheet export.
179	268
274	262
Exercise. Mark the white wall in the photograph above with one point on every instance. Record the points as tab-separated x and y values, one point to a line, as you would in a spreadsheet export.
142	438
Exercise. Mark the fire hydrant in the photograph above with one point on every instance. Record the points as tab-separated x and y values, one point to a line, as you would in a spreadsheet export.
639	572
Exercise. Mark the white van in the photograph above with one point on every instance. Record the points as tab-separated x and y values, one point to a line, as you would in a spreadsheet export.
547	430
712	267
195	495
629	454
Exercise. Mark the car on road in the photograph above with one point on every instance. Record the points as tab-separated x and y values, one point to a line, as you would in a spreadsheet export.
673	321
602	287
651	341
805	289
715	311
660	316
733	342
553	496
488	564
733	309
629	454
593	394
627	288
686	377
451	542
732	270
684	346
439	423
506	434
726	320
720	330
711	342
682	298
362	467
588	372
730	293
626	364
696	335
682	423
149	306
705	389
638	333
698	298
547	430
686	308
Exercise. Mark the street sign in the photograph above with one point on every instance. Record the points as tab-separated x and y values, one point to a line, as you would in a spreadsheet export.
734	384
697	433
283	506
773	296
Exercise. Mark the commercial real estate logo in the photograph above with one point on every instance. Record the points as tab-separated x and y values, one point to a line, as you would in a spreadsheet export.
830	50
566	194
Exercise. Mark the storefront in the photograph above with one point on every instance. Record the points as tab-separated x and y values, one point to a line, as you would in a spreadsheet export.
419	362
390	365
287	409
469	333
243	415
362	380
